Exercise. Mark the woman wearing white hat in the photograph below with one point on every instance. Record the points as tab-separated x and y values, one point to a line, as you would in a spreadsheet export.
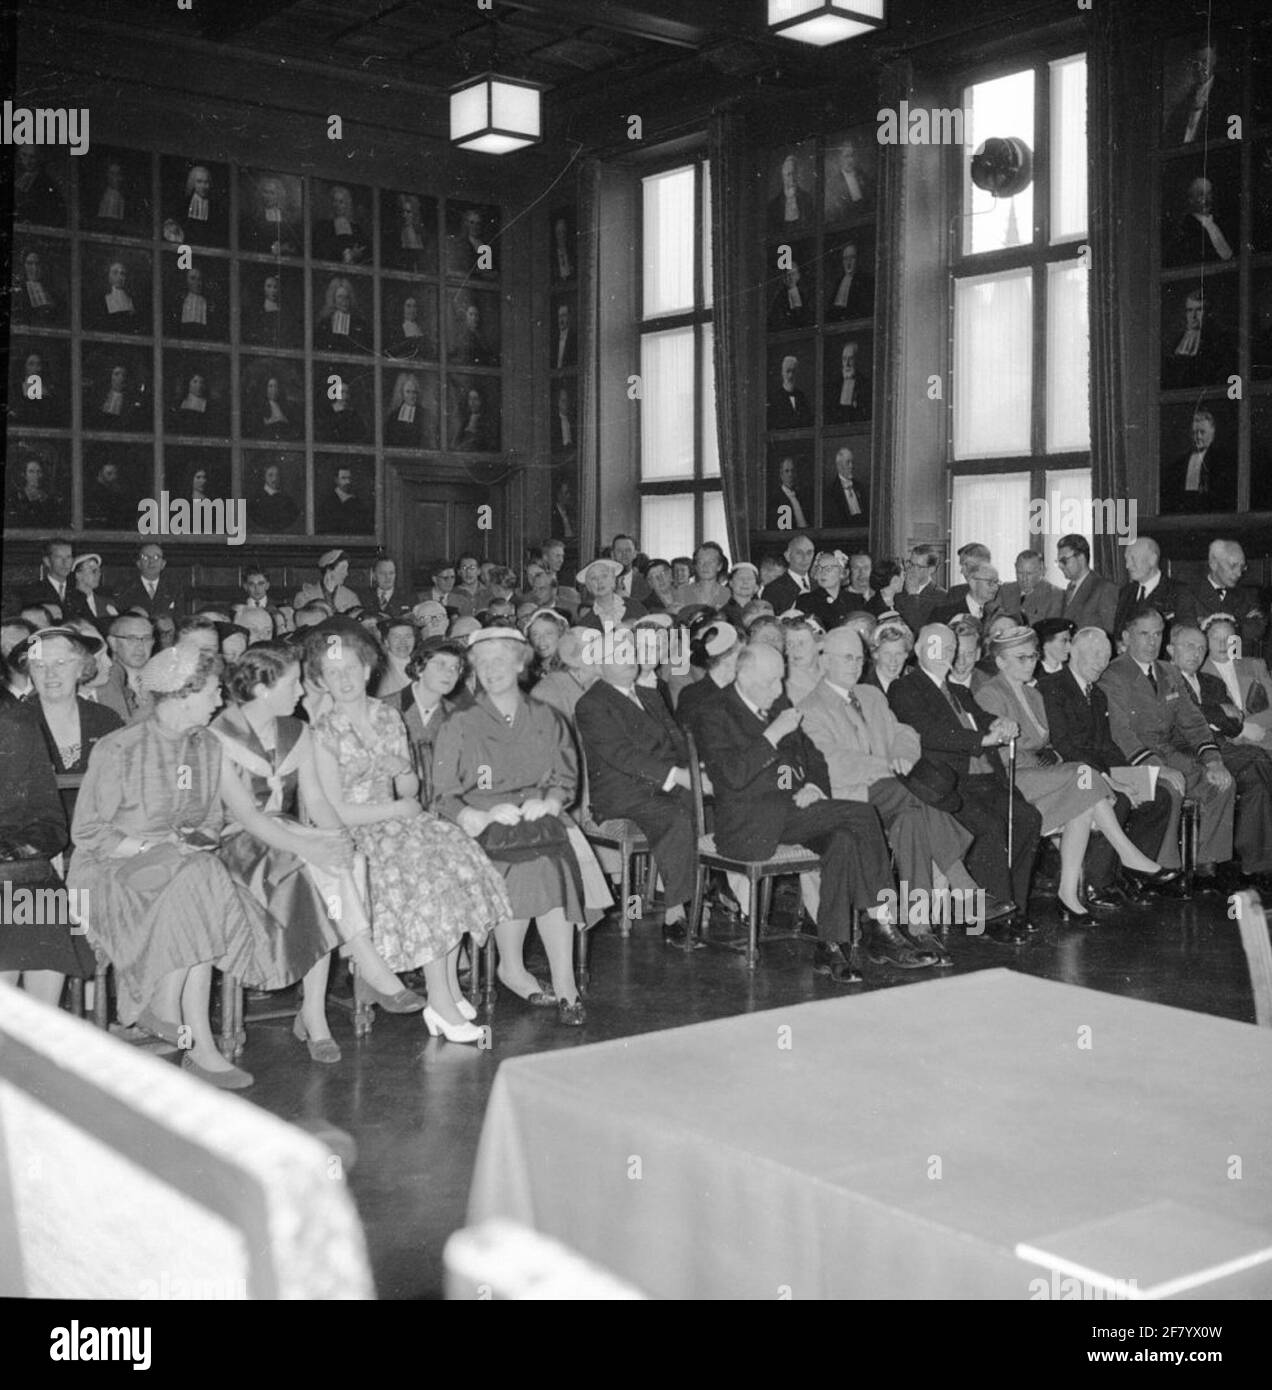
830	602
333	570
505	771
607	607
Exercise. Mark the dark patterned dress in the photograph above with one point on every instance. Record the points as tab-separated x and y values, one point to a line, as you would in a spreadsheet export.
305	902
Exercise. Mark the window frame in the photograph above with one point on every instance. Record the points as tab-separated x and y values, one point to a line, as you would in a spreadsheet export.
698	485
1036	256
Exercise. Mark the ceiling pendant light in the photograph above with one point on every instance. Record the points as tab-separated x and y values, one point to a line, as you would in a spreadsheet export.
823	22
494	114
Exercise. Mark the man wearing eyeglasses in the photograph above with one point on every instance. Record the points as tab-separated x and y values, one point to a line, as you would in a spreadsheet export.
922	595
981	599
1090	600
131	642
1223	592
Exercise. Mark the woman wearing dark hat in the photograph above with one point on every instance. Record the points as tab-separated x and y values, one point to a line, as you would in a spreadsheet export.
1054	638
1072	798
505	771
713	649
333	570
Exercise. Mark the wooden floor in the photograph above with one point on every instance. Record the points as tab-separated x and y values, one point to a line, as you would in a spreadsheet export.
414	1105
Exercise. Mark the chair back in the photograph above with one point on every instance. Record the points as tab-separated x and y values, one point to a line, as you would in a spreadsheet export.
695	788
1253	924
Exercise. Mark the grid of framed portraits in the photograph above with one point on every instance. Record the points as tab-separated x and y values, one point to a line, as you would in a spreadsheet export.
820	212
210	329
1213	367
563	358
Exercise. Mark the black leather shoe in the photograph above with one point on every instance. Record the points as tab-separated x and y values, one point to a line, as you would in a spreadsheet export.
996	909
1140	897
886	946
1074	919
572	1015
1009	931
1106	899
1160	879
677	934
1209	885
927	945
831	959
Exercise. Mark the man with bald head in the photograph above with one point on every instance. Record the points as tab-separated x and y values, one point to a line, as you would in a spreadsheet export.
1223	592
772	787
955	732
1078	718
868	753
785	591
1147	584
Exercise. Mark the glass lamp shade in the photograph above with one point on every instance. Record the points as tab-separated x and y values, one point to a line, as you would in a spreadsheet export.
494	115
823	22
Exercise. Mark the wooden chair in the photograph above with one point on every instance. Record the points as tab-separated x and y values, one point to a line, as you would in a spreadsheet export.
626	839
759	874
1253	924
483	968
1189	823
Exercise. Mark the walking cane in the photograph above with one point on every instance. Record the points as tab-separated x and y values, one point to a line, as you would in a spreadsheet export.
1011	800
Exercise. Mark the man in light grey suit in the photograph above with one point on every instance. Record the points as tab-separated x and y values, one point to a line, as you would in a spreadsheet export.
868	752
1031	598
1090	600
1246	679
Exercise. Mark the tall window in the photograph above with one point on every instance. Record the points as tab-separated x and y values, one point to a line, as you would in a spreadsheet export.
1020	410
681	502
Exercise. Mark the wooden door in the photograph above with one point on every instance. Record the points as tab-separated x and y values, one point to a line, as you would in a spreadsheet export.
430	520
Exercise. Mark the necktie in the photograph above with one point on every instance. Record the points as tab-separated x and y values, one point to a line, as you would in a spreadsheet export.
1069	593
1152	677
1140	597
1223	595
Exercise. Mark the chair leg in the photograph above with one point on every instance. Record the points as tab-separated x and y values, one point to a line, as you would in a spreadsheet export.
624	891
766	901
695	910
231	1001
753	924
76	996
101	995
488	980
582	951
1188	842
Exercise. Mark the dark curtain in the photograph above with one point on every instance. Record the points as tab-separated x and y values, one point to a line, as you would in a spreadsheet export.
736	295
587	492
1109	178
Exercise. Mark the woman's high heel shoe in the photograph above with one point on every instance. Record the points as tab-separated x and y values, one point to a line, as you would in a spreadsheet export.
1072	917
405	1001
1159	878
320	1049
452	1032
465	1009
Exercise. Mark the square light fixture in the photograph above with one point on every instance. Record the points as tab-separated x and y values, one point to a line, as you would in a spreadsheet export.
823	22
495	115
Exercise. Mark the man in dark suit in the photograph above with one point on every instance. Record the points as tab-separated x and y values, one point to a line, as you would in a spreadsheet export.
1155	721
1249	764
1031	598
630	583
341	511
1147	584
956	732
772	787
339	237
788	502
788	407
1223	592
54	584
383	598
1203	478
1090	600
783	593
1200	352
922	595
1209	99
848	388
793	205
853	295
565	350
980	598
150	591
969	556
1204	233
638	769
846	502
1078	719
